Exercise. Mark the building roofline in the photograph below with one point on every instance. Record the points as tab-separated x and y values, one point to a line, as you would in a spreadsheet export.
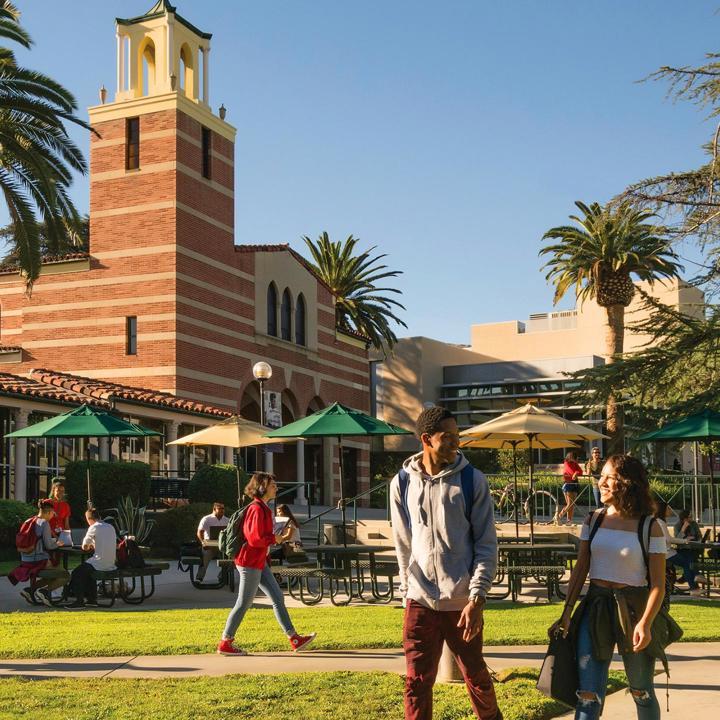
159	9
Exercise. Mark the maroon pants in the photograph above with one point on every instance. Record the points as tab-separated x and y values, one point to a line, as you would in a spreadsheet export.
424	631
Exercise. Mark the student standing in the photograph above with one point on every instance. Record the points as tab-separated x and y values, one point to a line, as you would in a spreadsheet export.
254	572
447	555
620	605
593	468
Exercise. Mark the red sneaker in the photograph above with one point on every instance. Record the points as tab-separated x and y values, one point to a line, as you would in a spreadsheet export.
301	642
228	647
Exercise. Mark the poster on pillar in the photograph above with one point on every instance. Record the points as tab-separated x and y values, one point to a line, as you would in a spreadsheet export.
273	416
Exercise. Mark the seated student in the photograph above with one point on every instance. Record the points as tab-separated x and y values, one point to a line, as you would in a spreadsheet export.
101	539
31	563
216	519
292	549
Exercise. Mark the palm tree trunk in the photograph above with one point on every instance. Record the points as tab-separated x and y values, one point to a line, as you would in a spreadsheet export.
614	341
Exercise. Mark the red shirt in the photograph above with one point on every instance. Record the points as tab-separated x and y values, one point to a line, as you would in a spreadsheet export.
259	536
62	513
569	469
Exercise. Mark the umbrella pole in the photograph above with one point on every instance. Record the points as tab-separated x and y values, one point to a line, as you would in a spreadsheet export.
87	458
342	492
712	494
516	500
531	508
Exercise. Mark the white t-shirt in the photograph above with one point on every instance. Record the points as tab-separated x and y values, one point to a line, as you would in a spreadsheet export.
103	536
616	555
211	521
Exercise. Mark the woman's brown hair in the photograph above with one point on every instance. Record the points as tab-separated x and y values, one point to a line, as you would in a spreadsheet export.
284	511
633	492
257	486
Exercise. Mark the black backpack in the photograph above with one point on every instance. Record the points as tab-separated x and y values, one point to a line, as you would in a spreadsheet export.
129	555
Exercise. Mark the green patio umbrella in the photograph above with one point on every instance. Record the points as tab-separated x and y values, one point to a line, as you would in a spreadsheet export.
700	427
337	421
83	422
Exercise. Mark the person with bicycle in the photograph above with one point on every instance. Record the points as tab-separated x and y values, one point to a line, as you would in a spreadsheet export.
571	486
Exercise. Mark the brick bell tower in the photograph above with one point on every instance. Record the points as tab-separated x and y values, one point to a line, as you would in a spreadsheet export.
161	191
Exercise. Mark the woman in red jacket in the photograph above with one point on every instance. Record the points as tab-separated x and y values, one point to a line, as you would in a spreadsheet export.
571	486
251	562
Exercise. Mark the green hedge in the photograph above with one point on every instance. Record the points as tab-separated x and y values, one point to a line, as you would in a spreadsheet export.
12	515
216	483
177	525
109	481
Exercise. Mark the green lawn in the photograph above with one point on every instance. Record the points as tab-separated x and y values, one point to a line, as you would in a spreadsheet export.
136	631
310	696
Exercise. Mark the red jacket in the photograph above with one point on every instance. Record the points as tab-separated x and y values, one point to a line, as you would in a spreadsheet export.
259	536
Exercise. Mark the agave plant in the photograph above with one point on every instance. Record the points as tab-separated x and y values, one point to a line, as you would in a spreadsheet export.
129	519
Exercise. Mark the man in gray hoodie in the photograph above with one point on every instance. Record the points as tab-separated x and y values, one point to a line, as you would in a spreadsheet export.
442	517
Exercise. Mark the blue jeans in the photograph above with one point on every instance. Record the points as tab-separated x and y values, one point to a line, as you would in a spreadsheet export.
250	580
596	494
685	559
593	676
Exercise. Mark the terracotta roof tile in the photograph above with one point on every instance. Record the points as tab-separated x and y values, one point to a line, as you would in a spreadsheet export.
103	390
46	260
75	390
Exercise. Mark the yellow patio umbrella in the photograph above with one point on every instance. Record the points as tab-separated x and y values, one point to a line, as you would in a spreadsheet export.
514	445
536	426
235	432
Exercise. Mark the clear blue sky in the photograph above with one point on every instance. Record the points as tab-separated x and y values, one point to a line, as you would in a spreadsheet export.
450	134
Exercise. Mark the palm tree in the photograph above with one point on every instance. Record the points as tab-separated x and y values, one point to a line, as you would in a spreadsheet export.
599	257
36	154
360	305
77	240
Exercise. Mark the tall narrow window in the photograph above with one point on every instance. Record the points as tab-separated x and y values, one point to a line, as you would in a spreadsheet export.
206	152
300	320
286	316
272	308
132	143
131	335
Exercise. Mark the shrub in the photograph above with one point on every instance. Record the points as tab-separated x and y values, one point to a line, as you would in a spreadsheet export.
178	525
216	483
109	482
12	515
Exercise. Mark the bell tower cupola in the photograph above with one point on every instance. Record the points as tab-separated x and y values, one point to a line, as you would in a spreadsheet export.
160	52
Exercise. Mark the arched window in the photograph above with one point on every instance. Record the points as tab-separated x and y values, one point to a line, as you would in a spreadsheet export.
300	320
147	68
286	316
187	71
272	308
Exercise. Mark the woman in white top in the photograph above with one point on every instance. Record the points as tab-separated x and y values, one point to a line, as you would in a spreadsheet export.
625	592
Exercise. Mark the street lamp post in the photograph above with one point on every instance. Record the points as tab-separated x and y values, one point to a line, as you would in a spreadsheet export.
262	372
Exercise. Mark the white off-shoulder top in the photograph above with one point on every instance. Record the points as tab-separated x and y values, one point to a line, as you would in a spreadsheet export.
616	555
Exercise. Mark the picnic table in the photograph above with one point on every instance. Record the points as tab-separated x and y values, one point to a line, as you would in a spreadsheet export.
545	562
704	564
119	582
342	566
190	563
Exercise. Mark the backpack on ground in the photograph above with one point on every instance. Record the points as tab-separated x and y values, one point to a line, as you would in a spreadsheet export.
26	538
232	538
129	554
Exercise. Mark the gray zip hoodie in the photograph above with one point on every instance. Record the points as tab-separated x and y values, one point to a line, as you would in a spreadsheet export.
442	560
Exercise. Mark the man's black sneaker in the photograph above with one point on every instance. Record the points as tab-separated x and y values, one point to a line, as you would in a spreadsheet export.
44	597
77	605
27	594
92	604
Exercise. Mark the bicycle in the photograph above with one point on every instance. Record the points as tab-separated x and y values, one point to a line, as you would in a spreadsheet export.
507	504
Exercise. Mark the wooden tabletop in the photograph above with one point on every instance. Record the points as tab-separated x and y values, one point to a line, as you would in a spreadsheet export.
350	549
523	548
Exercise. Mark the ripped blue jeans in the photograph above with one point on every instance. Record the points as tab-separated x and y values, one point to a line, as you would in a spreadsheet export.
593	677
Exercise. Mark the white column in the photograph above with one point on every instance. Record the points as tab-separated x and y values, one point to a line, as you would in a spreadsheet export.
104	449
229	456
120	63
268	462
170	51
171	451
21	421
300	498
206	75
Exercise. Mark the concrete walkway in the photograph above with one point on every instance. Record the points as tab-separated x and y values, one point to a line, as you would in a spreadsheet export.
694	686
